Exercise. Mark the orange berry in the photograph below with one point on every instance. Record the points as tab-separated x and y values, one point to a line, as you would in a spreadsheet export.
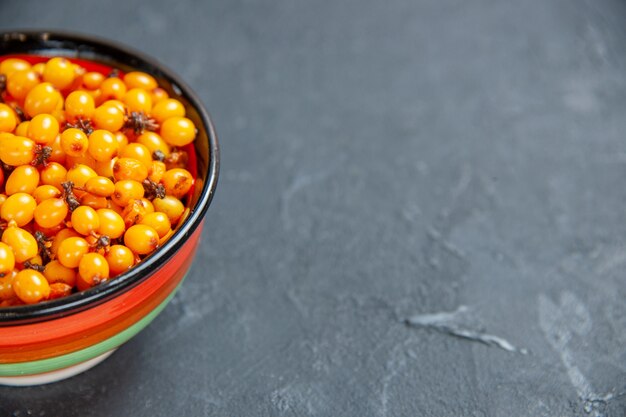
51	212
31	286
138	99
79	104
177	182
178	131
43	129
158	221
11	65
120	259
93	269
7	258
141	239
139	152
54	174
85	220
45	192
126	190
21	82
128	169
16	150
71	251
171	206
74	142
23	179
55	272
109	116
165	109
138	79
22	242
19	207
43	98
80	174
8	119
111	223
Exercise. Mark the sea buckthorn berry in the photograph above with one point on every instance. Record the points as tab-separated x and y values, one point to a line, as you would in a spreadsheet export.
6	286
153	142
18	207
126	190
92	80
102	145
158	221
93	201
156	171
79	104
59	72
100	186
111	223
31	286
113	88
85	220
171	206
45	192
22	242
11	65
80	174
93	269
158	94
54	174
85	159
71	250
8	119
138	99
21	82
60	237
141	239
38	68
128	169
43	129
138	79
74	142
139	152
23	179
165	109
3	198
134	212
43	98
16	150
178	131
7	259
22	129
105	168
51	212
108	116
147	205
59	290
56	272
122	139
120	259
177	182
57	154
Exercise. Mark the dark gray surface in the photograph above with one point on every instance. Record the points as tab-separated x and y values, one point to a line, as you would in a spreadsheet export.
384	160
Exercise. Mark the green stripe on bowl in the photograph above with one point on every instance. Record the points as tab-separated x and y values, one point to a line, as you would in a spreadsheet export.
60	362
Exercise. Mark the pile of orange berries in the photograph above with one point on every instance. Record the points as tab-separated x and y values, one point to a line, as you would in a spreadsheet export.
92	175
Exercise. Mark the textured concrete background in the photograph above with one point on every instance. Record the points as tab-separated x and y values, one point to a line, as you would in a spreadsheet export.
459	164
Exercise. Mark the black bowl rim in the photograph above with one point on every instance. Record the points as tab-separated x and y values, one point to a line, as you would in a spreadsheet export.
75	303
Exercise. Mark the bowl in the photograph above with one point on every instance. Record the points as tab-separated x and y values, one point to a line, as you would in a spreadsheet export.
56	339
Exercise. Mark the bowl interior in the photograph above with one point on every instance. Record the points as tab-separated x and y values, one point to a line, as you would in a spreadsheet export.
204	159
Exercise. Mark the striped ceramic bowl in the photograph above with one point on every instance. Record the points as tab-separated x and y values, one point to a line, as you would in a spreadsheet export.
54	340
